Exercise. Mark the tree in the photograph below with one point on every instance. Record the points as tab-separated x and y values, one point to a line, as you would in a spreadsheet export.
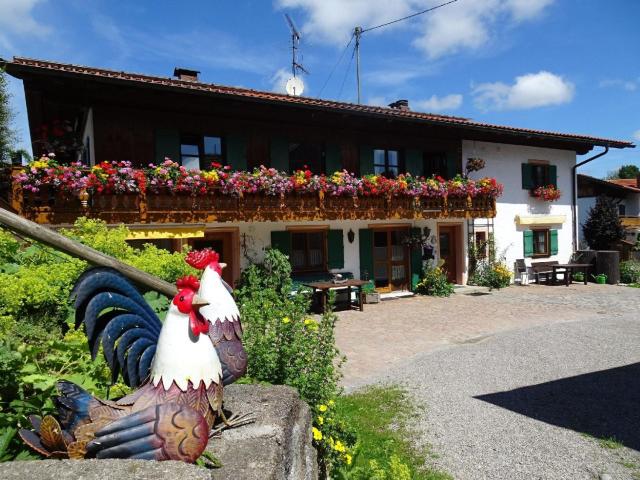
7	135
625	171
603	228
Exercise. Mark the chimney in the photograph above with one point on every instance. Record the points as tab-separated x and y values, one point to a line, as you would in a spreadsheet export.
186	74
400	105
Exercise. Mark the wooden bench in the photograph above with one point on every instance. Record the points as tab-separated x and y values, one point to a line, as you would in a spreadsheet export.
544	271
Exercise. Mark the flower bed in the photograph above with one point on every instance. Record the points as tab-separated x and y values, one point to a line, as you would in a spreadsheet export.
170	183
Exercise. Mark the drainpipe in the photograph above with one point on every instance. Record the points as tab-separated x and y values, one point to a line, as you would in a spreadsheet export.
574	194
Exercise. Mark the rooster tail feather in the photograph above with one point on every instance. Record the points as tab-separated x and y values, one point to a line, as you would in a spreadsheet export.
73	404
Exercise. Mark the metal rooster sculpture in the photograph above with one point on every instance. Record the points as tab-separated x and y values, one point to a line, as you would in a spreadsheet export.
175	364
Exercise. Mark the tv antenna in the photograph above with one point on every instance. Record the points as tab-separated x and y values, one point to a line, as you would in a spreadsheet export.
358	31
295	86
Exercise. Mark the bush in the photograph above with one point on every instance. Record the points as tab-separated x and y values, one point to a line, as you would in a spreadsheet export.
434	282
630	271
285	346
492	275
603	228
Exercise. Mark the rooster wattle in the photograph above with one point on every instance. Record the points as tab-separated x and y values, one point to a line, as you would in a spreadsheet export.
174	363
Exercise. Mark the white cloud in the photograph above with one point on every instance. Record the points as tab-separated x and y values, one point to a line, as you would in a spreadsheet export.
438	104
279	80
532	90
628	85
636	135
16	18
468	24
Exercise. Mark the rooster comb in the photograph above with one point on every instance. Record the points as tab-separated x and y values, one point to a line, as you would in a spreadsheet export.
201	258
190	282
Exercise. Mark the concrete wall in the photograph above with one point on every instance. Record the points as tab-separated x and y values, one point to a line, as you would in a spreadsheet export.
504	163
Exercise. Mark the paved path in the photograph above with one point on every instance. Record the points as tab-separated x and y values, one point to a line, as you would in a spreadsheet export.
516	395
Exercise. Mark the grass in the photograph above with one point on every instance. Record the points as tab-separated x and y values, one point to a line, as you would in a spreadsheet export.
611	443
379	415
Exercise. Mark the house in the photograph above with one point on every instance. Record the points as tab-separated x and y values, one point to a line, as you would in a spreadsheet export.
625	191
93	114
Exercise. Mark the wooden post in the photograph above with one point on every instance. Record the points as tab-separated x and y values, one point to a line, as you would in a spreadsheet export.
55	240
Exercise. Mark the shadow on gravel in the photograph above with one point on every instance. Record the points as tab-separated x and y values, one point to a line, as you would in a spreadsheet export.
603	404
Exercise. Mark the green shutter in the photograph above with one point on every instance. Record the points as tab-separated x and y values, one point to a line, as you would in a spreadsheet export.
167	145
236	152
452	165
553	175
281	241
335	249
416	261
333	162
527	237
366	160
553	242
365	239
413	162
280	154
527	176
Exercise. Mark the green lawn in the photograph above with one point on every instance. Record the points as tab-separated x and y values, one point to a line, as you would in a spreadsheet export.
379	416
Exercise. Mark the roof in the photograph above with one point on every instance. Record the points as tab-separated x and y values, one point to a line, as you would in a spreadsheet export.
20	65
622	185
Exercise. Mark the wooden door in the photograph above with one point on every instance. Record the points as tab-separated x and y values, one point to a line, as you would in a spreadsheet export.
221	242
448	246
390	259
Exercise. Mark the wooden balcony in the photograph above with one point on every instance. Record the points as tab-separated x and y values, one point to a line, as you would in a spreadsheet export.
630	222
48	207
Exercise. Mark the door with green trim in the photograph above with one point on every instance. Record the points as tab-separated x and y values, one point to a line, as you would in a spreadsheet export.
390	258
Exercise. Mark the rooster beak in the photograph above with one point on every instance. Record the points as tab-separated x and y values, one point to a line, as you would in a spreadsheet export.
222	265
198	302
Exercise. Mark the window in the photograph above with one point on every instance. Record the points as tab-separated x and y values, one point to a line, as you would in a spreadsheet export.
541	243
435	164
309	154
536	175
386	162
622	209
308	251
199	152
540	175
481	244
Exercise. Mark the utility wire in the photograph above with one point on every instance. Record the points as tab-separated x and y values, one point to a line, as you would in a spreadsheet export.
346	47
407	17
346	73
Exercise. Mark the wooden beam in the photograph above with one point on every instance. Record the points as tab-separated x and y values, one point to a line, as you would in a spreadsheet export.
55	240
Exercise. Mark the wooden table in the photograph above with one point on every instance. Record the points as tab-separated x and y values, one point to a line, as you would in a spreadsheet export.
568	270
324	288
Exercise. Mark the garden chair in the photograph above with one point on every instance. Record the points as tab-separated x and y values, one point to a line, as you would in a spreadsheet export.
522	271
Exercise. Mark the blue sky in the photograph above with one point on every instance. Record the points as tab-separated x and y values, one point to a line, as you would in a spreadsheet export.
561	65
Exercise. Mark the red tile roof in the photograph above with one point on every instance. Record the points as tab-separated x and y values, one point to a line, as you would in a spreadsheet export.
631	183
22	64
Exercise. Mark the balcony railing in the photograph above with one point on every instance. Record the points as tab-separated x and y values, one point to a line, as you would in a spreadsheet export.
56	208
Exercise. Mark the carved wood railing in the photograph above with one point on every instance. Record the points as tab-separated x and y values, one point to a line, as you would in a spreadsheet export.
49	207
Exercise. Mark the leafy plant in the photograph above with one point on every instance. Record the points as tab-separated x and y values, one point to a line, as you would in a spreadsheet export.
630	271
434	282
487	267
603	228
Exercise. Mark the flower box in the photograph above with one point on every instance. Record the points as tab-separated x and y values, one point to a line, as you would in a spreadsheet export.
371	297
432	203
457	203
125	202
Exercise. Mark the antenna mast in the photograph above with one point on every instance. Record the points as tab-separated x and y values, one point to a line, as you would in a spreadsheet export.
356	33
295	41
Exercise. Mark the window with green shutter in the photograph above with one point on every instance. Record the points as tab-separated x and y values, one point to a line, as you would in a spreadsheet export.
365	240
553	240
527	176
540	242
366	160
536	175
413	162
335	249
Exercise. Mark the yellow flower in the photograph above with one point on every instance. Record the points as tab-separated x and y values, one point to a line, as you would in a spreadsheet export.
331	403
317	434
320	420
339	446
348	458
212	175
286	320
322	408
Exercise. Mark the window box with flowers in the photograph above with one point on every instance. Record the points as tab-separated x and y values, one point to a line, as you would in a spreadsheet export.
548	193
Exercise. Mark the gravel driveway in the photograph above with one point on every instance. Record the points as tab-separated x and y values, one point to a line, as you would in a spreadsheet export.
506	400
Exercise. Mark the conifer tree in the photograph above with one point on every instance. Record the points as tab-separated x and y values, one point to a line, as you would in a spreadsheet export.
603	227
7	135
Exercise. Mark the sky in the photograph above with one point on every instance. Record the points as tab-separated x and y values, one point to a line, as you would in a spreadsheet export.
562	65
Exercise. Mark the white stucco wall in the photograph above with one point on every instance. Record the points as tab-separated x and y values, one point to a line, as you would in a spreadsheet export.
504	163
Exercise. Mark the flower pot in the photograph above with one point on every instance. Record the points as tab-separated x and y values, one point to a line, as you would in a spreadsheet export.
371	297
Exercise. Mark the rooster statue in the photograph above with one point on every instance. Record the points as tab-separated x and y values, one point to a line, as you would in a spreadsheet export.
222	314
174	364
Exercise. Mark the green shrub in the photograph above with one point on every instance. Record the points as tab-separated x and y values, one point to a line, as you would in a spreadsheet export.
286	346
493	275
434	282
630	271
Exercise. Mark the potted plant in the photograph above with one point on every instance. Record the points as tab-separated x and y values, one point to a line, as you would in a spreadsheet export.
370	293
